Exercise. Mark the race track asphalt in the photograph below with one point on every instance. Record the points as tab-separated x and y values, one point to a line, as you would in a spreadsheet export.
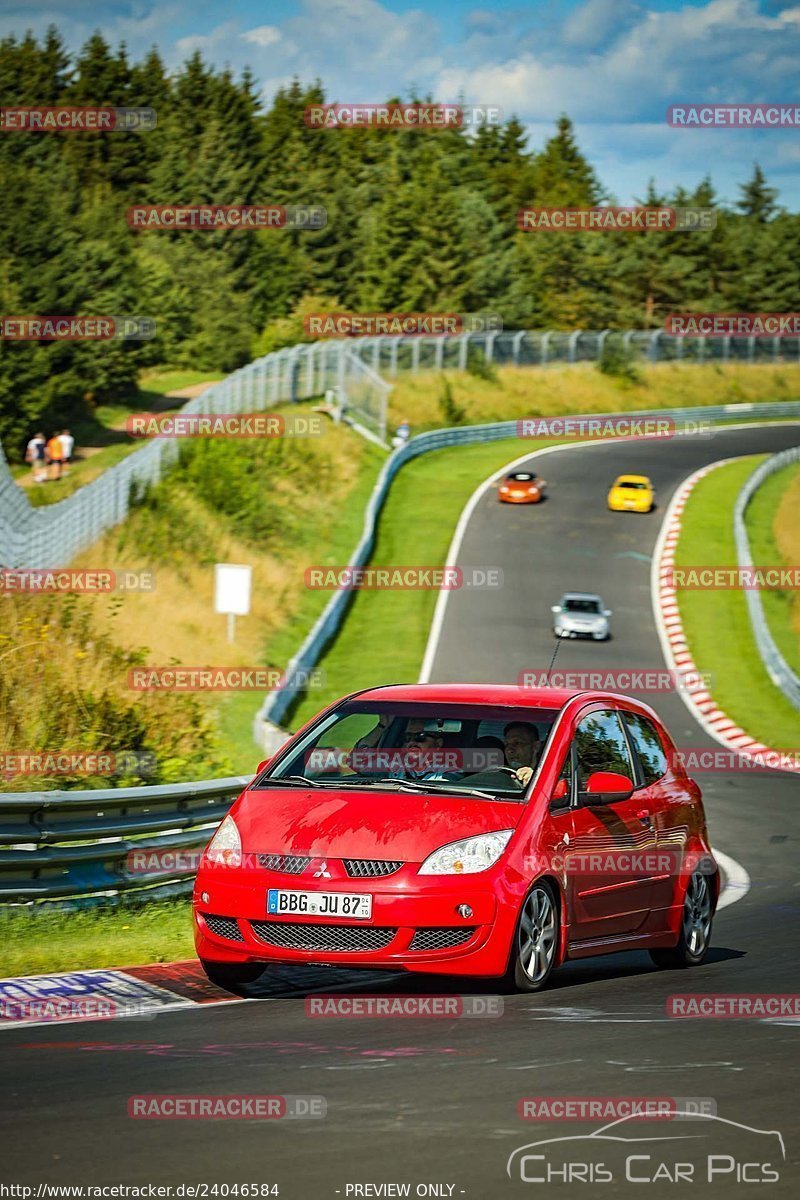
434	1102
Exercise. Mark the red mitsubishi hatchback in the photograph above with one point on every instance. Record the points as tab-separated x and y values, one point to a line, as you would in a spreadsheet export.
461	829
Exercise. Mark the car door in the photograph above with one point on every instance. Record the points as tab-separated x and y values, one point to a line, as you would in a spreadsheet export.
612	847
666	799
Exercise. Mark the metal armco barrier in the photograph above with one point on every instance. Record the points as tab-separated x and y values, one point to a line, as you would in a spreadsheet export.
776	665
278	702
49	847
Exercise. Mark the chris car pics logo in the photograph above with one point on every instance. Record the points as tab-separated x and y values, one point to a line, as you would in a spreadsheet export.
705	1149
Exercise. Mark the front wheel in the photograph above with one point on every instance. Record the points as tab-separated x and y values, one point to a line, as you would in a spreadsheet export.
695	933
232	977
535	941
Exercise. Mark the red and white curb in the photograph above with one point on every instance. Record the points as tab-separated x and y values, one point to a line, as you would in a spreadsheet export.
695	694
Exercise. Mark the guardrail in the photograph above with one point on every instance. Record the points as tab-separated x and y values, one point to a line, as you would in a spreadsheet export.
279	701
775	664
50	536
46	851
78	847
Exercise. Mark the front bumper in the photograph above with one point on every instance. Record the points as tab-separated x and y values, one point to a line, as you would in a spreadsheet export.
640	506
395	908
596	635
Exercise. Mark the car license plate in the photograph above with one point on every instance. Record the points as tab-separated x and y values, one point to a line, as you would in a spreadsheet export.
281	902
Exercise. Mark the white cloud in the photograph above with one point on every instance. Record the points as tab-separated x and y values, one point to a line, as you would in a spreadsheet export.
263	35
613	65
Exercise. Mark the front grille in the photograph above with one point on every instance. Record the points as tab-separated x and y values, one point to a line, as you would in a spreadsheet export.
370	868
289	864
440	939
322	937
224	927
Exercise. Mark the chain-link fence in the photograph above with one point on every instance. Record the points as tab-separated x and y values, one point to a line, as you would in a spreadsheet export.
524	348
52	535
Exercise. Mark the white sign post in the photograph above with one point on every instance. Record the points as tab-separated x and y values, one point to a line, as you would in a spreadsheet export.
232	592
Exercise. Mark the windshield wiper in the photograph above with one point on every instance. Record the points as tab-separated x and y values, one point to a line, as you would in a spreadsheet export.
423	785
293	781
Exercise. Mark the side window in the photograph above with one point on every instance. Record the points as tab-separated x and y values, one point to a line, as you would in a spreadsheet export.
645	738
601	746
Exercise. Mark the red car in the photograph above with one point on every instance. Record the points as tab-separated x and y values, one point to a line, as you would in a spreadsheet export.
464	830
521	487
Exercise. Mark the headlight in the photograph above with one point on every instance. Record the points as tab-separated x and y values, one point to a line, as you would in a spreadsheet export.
468	856
225	848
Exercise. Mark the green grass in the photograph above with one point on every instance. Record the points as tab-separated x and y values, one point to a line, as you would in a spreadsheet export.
760	522
236	711
40	940
383	638
716	622
102	434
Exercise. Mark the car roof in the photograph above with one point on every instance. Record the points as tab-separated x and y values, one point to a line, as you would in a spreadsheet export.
632	479
472	693
581	596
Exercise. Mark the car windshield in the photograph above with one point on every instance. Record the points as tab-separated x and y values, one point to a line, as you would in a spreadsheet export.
582	606
637	485
522	477
463	749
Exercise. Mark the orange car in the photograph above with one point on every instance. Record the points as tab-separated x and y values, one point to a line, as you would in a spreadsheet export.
521	487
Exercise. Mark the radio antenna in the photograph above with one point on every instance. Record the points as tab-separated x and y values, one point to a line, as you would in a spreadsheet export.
553	659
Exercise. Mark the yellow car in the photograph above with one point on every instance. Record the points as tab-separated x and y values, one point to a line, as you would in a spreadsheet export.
632	493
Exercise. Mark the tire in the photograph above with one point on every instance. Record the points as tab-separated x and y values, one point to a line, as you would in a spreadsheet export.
531	958
695	934
232	977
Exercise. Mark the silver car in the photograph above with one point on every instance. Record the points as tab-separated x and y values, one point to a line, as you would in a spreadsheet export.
581	614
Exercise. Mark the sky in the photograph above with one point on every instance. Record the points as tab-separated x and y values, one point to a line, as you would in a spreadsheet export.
613	66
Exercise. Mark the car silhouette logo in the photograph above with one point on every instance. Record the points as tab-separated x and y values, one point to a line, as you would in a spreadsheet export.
614	1134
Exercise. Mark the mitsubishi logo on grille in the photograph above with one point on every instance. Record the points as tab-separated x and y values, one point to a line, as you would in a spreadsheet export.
323	872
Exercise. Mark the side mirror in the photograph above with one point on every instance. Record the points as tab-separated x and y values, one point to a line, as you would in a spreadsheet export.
604	787
560	793
555	608
263	764
606	612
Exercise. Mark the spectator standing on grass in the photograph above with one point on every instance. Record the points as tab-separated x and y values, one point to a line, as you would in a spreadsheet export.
67	446
55	456
35	455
